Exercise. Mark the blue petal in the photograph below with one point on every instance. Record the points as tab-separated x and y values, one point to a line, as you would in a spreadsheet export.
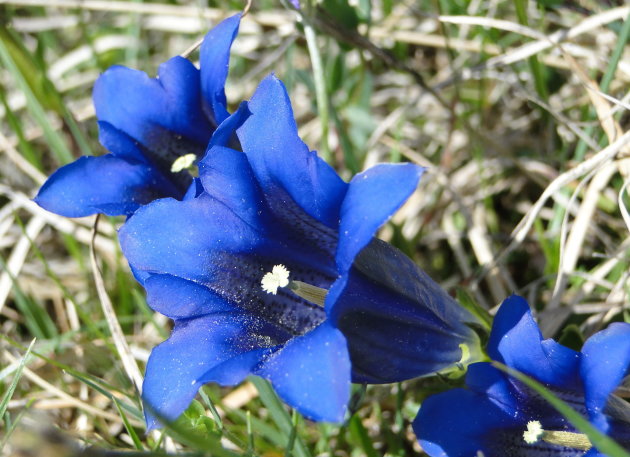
178	367
179	298
605	362
164	115
125	147
214	57
483	378
372	197
282	163
121	144
516	341
459	423
312	373
236	369
225	134
594	453
133	102
182	238
104	184
227	176
194	190
141	276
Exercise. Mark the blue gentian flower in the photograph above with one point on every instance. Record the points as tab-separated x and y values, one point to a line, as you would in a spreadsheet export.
273	270
147	124
499	416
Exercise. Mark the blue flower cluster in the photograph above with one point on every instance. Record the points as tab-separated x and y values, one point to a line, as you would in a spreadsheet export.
266	261
146	124
500	416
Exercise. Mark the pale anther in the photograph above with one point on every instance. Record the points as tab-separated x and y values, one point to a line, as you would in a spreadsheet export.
308	292
533	433
572	440
183	163
277	278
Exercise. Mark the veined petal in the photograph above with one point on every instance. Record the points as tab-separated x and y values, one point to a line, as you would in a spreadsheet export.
282	163
398	322
312	373
388	267
227	176
214	57
516	341
372	197
180	299
104	184
391	337
182	238
176	368
605	362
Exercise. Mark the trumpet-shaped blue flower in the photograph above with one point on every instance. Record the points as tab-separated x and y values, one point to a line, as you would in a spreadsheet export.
146	124
499	416
273	270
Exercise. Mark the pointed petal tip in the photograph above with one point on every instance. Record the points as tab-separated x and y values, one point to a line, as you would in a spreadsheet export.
226	26
214	59
319	366
271	86
373	197
97	184
514	305
109	72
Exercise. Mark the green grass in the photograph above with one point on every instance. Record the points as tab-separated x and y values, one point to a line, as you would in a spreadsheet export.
493	141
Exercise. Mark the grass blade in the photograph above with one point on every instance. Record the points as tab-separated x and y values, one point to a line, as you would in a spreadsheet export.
53	138
18	374
130	430
278	413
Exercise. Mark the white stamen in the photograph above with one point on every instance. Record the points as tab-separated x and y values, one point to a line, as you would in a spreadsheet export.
183	163
278	277
533	433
